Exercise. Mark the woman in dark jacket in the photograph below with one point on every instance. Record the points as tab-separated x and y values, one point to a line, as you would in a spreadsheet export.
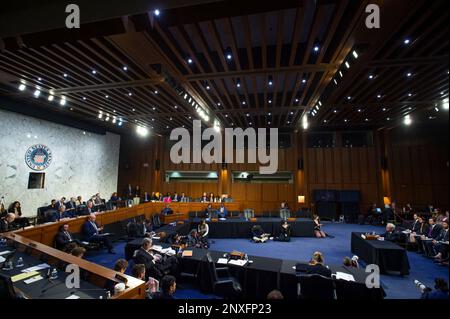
285	232
16	209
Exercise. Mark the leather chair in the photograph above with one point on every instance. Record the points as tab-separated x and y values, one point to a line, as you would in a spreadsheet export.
223	284
316	287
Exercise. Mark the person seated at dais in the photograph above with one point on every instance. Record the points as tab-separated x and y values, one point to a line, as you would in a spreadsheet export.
167	210
390	234
92	233
223	211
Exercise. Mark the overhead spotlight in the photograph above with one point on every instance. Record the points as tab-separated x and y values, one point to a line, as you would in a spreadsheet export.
345	120
94	72
270	114
270	83
436	109
142	131
107	118
218	104
22	87
120	122
50	98
65	75
156	92
359	110
347	65
445	104
304	81
243	102
247	115
270	101
125	68
388	119
190	61
238	84
349	98
175	107
325	121
407	120
37	93
106	96
39	79
62	101
114	120
229	57
297	100
379	96
367	120
355	54
100	115
335	111
384	109
292	113
130	94
316	48
157	12
407	41
409	74
84	98
185	96
409	94
371	77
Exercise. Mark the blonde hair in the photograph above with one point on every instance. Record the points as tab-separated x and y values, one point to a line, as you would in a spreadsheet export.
318	257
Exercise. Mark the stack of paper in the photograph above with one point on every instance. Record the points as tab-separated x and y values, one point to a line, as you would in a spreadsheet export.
36	268
344	276
239	263
222	261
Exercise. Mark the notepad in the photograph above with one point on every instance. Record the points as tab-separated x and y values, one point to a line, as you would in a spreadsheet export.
36	268
73	297
23	276
187	253
344	276
222	261
33	279
238	262
2	259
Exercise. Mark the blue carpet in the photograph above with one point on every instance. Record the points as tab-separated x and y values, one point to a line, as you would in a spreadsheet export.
334	250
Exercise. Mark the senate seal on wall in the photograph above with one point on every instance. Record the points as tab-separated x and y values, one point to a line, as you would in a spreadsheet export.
38	157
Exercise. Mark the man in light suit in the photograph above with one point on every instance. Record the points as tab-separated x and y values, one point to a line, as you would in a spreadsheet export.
91	233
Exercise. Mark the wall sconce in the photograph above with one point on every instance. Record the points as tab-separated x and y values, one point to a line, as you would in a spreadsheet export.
386	200
301	199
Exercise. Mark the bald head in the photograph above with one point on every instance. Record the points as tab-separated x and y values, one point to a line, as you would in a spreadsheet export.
92	217
10	217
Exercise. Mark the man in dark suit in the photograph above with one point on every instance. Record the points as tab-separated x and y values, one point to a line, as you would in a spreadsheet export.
415	226
91	233
437	247
144	255
175	197
167	210
89	209
61	202
146	198
183	198
434	230
71	205
64	237
391	234
6	223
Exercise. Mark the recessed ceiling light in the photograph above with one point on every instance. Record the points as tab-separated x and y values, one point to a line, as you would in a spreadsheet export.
156	92
292	113
208	87
349	98
371	77
106	96
409	94
297	100
248	115
407	41
50	97
325	121
65	75
37	93
125	68
226	115
157	12
407	120
243	103
238	85
316	48
175	107
190	61
388	119
347	65
154	108
359	110
84	98
130	94
270	101
62	101
379	96
304	81
134	110
270	83
218	104
409	74
345	120
288	122
39	79
384	109
269	114
94	72
355	54
367	120
335	111
229	56
22	87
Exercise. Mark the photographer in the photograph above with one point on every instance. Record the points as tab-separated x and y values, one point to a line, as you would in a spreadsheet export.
440	292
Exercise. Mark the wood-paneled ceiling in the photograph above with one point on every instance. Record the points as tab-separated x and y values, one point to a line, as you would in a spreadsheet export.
252	63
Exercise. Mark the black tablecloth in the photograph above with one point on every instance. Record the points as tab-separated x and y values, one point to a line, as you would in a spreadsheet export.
289	281
387	255
241	228
45	288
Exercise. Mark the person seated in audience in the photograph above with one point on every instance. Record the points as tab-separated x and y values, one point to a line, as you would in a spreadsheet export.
350	262
114	198
193	238
204	198
439	246
167	198
153	197
355	261
434	230
285	232
183	198
146	198
129	193
64	238
61	202
415	223
390	234
63	214
223	211
52	205
203	232
89	209
388	214
419	228
121	265
275	295
211	197
78	252
440	291
92	233
167	210
168	288
16	209
137	191
71	205
258	234
318	232
285	213
209	211
317	266
440	217
175	197
97	200
7	223
79	201
151	286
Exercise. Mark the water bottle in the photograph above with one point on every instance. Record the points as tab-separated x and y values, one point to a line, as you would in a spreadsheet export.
54	274
108	295
19	262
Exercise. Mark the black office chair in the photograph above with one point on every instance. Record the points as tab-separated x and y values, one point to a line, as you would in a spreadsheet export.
223	284
316	287
156	221
348	290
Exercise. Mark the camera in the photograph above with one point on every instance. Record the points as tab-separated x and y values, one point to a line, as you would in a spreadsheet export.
421	286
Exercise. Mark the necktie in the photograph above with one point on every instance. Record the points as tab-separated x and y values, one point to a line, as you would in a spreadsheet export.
430	232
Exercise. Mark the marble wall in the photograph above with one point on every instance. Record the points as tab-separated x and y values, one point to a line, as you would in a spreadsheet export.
83	163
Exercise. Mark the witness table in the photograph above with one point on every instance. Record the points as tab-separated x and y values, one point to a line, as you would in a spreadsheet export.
387	255
241	228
